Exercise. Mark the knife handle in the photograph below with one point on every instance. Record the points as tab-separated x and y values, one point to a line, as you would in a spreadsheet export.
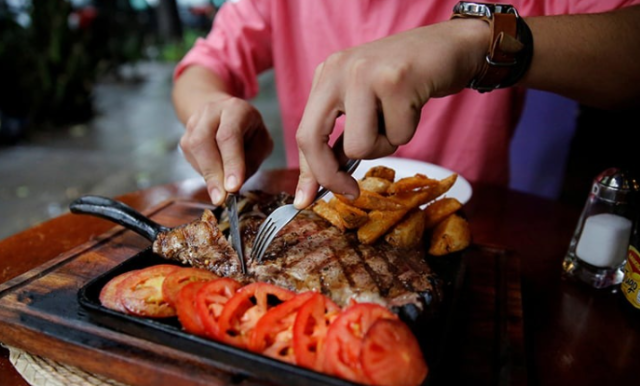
119	213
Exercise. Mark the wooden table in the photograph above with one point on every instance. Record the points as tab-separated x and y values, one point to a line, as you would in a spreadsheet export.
544	329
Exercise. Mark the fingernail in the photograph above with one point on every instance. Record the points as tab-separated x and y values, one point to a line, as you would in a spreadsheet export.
215	195
232	182
299	198
349	197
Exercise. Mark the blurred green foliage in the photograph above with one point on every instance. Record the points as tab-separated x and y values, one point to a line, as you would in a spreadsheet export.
48	68
173	52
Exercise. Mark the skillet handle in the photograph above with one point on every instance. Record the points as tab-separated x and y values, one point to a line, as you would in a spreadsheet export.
119	213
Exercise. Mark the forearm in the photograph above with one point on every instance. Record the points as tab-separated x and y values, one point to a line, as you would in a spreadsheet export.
195	87
593	59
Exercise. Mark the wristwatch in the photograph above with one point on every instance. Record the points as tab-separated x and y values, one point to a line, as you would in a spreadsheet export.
510	47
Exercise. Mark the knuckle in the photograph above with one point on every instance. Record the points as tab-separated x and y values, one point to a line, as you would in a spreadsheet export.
360	150
192	122
358	68
225	134
334	59
392	77
302	139
401	137
184	142
209	109
234	104
317	73
193	142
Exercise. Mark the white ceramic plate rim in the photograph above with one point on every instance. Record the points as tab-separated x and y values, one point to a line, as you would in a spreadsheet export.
460	190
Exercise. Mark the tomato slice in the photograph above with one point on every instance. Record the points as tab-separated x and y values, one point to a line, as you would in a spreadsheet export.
141	292
181	277
210	301
310	330
109	293
186	310
343	344
391	355
273	334
242	312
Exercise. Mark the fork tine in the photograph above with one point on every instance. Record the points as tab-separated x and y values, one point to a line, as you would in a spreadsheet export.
280	217
263	232
270	228
257	242
268	238
266	233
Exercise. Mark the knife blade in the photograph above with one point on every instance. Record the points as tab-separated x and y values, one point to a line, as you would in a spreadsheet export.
234	228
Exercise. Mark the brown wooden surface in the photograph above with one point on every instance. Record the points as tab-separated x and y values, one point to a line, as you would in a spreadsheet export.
571	335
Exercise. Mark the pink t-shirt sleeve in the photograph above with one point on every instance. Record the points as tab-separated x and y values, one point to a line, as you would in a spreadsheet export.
561	7
237	48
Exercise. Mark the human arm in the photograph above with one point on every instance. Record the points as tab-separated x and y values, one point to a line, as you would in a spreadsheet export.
225	138
591	58
404	71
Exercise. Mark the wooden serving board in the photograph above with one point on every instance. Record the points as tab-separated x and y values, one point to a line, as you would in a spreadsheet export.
40	313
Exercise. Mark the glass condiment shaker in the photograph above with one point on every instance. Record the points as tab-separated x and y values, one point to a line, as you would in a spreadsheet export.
598	249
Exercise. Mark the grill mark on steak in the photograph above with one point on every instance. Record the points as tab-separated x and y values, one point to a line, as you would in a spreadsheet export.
308	254
380	270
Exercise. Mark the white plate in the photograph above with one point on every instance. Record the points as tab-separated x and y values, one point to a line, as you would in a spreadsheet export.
407	168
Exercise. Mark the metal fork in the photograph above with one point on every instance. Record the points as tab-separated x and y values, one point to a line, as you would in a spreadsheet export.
283	215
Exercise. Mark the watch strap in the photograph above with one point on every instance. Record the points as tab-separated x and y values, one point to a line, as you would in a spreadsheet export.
508	55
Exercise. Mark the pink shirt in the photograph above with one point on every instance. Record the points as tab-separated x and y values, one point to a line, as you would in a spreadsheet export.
468	133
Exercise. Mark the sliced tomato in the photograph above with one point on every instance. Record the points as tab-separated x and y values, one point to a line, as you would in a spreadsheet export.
210	301
181	277
391	355
343	344
186	310
242	312
273	334
141	292
310	330
109	293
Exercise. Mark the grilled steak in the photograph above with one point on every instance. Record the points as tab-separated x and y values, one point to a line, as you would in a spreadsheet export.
308	254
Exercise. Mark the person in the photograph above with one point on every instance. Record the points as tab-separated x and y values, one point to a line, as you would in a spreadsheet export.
393	76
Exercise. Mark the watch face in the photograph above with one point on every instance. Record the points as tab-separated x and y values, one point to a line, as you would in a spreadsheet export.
482	9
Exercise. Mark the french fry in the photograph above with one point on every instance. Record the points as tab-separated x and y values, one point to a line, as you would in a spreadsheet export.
408	232
324	210
426	195
374	184
378	224
372	201
352	217
451	235
412	200
439	210
391	210
407	184
381	172
444	185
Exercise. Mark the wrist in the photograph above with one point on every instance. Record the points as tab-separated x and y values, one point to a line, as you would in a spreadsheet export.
474	37
510	47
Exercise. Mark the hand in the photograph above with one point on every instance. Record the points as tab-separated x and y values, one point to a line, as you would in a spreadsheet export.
226	141
381	87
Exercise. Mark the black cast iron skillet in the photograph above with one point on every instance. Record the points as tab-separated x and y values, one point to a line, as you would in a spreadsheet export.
118	213
430	333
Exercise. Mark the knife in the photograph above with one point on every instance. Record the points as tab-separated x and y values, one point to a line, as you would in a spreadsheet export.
234	228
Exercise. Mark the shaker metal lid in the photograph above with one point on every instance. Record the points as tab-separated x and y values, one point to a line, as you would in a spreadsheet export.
616	185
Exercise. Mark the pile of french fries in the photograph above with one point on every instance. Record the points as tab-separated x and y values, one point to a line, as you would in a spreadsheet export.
391	210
